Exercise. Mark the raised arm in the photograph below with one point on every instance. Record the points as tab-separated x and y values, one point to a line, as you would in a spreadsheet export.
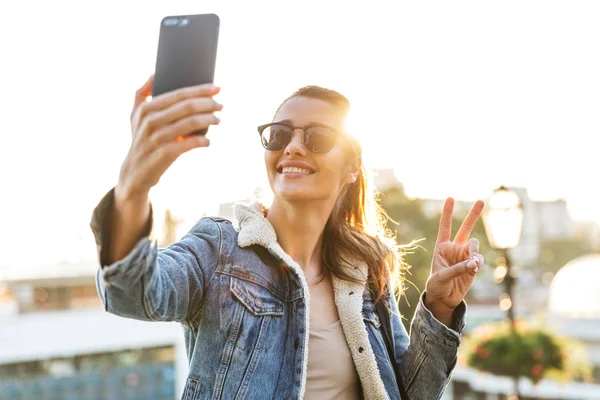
136	279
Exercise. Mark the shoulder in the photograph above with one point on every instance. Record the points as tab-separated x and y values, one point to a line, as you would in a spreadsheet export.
216	228
215	223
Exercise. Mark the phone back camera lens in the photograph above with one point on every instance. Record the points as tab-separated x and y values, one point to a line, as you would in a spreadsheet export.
171	21
184	22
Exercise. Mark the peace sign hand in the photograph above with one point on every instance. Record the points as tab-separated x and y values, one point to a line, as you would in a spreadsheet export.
454	264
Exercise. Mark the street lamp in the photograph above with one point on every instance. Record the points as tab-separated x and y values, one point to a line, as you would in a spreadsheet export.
503	221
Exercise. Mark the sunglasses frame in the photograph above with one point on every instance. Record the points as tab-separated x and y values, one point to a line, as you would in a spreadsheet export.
337	133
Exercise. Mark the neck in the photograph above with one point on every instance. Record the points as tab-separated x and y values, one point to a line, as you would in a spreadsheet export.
299	227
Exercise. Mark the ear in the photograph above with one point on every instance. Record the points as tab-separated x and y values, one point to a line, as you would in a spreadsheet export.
352	170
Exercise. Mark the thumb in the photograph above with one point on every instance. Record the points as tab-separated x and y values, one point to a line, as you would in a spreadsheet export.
447	274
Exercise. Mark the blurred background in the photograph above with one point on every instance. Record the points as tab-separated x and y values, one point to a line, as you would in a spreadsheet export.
475	100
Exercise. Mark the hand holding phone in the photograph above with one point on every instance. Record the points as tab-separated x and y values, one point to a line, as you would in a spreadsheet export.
160	132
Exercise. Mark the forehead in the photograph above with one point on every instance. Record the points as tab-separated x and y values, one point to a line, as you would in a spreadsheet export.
304	110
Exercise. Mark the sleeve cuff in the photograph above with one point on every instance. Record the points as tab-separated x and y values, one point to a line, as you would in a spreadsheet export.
123	285
128	269
429	325
100	224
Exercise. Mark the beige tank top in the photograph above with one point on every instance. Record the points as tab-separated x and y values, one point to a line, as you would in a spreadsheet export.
331	373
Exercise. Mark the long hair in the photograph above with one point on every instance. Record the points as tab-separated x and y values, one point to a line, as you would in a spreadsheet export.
357	227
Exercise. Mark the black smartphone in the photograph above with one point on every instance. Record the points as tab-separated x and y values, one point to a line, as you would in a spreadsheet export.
187	53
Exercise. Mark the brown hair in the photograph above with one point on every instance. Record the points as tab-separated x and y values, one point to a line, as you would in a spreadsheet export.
357	227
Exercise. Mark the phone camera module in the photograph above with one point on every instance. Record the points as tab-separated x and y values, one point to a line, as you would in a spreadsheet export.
170	21
184	22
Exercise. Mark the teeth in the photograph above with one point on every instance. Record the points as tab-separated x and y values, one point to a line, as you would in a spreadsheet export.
295	170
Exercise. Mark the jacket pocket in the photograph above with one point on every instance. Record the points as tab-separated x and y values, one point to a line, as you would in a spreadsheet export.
247	312
258	300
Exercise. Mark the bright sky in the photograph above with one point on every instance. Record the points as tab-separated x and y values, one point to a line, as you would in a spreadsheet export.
458	97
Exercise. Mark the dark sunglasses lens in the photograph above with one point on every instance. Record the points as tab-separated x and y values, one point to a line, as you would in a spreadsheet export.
276	137
320	139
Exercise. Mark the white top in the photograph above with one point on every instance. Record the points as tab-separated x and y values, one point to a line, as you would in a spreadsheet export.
331	371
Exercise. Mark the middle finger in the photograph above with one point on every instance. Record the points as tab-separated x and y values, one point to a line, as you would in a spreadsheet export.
181	110
469	223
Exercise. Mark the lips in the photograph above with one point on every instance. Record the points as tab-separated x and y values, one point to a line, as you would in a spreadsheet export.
291	167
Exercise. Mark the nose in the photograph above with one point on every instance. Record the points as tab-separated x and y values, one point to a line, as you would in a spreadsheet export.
296	145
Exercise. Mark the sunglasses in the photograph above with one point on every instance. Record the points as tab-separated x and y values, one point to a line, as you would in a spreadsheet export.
318	138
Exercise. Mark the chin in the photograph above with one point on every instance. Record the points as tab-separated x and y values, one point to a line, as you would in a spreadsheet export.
298	193
293	195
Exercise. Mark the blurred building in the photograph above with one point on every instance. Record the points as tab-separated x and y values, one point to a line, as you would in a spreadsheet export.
57	342
170	232
574	304
226	209
553	219
590	231
384	179
543	220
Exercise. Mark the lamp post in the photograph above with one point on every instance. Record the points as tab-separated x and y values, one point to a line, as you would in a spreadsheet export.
503	221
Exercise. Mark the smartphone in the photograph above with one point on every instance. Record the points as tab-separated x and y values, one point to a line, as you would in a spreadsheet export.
187	53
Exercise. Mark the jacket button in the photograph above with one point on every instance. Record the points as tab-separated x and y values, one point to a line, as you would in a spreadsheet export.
258	302
296	343
360	349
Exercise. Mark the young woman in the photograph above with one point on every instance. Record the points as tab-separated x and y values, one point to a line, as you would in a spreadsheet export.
282	306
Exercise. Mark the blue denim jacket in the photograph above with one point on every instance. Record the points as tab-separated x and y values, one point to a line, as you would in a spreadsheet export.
244	305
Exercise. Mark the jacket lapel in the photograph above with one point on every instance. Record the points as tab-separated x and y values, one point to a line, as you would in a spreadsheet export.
255	229
349	302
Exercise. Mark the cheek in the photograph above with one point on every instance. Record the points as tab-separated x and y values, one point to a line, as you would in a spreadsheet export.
332	173
270	161
334	166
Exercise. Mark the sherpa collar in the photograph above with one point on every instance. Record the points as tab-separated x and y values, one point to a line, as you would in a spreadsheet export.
255	229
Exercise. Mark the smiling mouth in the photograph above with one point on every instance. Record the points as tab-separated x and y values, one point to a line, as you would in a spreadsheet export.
295	171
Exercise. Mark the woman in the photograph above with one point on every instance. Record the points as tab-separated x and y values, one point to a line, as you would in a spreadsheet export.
283	306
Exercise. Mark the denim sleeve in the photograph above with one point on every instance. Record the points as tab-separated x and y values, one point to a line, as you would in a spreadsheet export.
155	284
424	362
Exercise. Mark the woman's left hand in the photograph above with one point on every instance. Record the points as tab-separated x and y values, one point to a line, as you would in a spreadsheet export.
454	265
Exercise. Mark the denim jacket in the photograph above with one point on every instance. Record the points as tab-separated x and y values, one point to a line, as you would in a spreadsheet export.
244	305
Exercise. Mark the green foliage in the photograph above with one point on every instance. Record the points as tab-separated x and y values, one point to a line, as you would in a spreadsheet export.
530	351
554	254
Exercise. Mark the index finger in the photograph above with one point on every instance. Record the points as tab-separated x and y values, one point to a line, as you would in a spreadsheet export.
162	101
469	223
168	99
445	230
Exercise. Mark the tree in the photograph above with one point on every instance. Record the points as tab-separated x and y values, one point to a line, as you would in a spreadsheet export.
555	253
